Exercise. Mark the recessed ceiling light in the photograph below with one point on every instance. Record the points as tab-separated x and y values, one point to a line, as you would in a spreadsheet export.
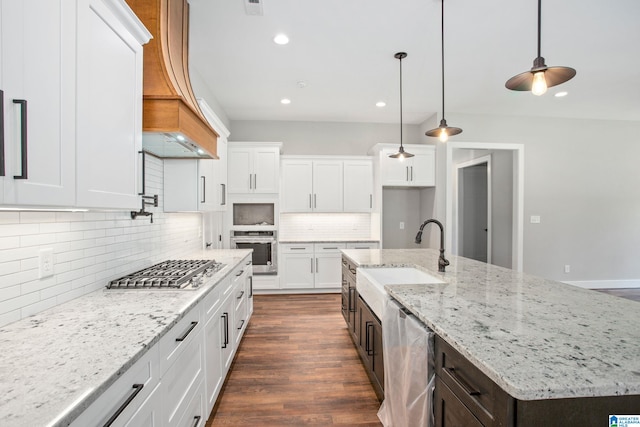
281	39
285	101
381	104
561	94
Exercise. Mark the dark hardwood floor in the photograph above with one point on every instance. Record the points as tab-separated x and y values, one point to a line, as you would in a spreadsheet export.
628	293
296	366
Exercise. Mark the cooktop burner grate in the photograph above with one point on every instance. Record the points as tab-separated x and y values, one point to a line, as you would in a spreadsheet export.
171	274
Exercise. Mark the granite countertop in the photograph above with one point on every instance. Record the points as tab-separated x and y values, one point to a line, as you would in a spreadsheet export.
56	363
328	240
536	338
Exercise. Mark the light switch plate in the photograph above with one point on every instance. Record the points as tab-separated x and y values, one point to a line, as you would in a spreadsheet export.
535	219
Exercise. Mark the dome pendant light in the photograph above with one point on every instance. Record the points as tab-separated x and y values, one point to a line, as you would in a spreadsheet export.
401	154
443	132
540	77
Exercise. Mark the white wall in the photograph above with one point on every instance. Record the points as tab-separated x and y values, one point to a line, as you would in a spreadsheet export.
581	177
309	138
90	248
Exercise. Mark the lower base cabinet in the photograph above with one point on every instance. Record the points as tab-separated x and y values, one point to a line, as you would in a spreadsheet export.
177	381
369	344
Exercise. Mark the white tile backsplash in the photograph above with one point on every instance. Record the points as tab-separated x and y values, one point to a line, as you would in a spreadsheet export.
90	248
318	226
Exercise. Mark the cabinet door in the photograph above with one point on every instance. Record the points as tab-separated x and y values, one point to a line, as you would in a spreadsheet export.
220	176
394	171
297	186
358	186
449	411
266	170
422	171
109	113
182	187
328	268
228	332
327	186
298	271
38	80
206	185
214	373
239	172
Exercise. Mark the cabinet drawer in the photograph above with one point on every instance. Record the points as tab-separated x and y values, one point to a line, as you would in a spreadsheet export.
194	415
213	300
182	380
328	248
302	248
488	402
174	342
126	395
367	245
449	411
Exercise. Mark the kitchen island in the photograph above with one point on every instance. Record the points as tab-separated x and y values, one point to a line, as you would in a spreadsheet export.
55	364
537	340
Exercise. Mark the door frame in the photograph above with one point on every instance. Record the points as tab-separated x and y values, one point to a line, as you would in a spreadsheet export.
456	212
517	256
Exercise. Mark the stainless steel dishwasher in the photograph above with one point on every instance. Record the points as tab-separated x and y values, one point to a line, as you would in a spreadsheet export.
408	369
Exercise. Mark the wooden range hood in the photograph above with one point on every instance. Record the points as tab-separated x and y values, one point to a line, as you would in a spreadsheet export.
170	110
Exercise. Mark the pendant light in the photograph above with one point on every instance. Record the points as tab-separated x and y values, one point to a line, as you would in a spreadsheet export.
401	154
443	132
540	77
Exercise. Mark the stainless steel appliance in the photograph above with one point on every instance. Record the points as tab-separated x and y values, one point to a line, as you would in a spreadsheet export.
172	274
265	248
253	214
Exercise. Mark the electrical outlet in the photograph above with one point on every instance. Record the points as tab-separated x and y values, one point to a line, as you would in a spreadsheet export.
45	263
401	225
535	219
567	268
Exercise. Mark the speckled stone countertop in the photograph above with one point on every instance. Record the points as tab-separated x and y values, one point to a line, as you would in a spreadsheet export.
327	241
56	363
536	338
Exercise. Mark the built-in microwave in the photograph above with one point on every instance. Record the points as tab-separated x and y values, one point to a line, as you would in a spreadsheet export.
253	214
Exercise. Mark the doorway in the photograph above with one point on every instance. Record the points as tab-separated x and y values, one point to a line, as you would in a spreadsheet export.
507	247
474	209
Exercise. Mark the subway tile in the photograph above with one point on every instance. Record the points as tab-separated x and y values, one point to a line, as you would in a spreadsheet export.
10	317
19	302
54	227
37	240
69	236
9	293
55	290
43	304
9	268
37	285
9	242
37	217
9	217
18	229
18	278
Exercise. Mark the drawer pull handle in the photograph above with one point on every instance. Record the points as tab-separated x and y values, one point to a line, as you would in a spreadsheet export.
241	324
23	139
186	334
298	249
344	262
240	273
329	248
240	295
1	133
137	389
368	339
352	270
467	389
196	420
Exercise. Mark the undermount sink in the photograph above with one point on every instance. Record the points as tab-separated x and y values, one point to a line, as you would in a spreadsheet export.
370	283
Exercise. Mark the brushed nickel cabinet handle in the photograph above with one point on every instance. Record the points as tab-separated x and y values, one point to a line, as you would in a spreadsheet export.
23	138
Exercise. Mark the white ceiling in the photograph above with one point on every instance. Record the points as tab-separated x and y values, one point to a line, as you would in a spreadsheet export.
343	50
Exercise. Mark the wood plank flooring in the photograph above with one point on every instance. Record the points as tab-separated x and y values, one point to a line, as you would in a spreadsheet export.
628	293
296	366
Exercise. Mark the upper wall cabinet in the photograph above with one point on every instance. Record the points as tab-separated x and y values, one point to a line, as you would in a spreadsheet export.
417	171
326	184
188	185
253	167
219	183
71	77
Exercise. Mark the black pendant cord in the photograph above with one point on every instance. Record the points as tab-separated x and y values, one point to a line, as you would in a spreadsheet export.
442	53
539	26
400	101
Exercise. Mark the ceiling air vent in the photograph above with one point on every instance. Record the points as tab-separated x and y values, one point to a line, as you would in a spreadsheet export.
253	7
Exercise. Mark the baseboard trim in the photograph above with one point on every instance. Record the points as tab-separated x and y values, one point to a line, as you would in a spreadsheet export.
605	284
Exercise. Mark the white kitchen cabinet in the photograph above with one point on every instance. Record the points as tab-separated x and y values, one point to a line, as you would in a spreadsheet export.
326	184
220	165
189	185
253	168
38	79
311	185
358	185
417	171
77	65
109	109
214	341
311	266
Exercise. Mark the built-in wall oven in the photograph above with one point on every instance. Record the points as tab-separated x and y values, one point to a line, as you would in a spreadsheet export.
265	248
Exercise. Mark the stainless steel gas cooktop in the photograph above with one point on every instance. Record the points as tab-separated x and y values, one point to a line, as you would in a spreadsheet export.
172	274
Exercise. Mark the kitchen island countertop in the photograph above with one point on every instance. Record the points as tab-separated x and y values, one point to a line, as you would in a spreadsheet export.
536	338
56	363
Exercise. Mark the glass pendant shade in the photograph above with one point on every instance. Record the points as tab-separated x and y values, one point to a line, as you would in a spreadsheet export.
540	77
